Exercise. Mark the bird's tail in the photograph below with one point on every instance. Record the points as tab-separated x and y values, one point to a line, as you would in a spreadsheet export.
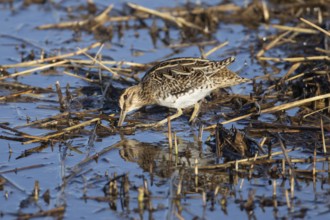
225	62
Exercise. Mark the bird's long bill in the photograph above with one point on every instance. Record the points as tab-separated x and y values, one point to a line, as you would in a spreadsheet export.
122	117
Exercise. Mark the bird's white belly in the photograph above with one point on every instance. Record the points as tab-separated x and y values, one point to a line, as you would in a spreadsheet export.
184	100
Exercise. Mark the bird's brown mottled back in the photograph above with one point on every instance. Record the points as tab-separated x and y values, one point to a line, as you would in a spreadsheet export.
178	76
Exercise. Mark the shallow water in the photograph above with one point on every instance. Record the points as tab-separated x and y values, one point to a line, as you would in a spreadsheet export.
142	156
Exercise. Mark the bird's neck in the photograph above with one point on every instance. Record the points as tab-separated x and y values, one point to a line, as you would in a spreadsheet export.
144	95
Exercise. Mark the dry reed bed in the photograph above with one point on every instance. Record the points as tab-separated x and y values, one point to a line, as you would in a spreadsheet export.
305	86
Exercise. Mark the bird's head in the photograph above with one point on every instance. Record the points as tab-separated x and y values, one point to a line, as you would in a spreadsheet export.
129	101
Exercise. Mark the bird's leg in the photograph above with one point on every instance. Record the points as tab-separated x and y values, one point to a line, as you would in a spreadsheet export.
195	112
162	122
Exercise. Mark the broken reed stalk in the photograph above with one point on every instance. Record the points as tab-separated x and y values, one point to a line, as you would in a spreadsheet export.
274	187
218	142
293	68
272	44
65	130
178	191
33	70
99	69
295	77
322	50
36	190
16	94
214	49
196	174
10	151
204	198
310	172
16	85
126	185
109	62
292	185
265	11
176	145
286	156
198	44
275	109
202	53
16	170
180	22
314	184
115	75
216	191
295	29
198	10
102	17
252	165
288	203
146	188
97	21
57	212
51	59
315	26
314	161
241	184
236	162
263	141
68	95
200	133
295	59
56	117
169	133
60	96
275	205
140	194
81	77
323	138
179	12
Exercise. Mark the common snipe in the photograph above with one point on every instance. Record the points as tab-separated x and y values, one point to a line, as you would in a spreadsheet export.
178	83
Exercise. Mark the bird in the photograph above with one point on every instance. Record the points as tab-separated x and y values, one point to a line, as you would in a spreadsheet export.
178	83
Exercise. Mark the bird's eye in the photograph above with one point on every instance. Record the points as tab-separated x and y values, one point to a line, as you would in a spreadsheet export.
125	96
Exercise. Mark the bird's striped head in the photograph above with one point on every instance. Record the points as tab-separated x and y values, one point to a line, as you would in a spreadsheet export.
130	100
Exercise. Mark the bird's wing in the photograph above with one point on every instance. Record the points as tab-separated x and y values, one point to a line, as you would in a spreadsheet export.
185	66
179	75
